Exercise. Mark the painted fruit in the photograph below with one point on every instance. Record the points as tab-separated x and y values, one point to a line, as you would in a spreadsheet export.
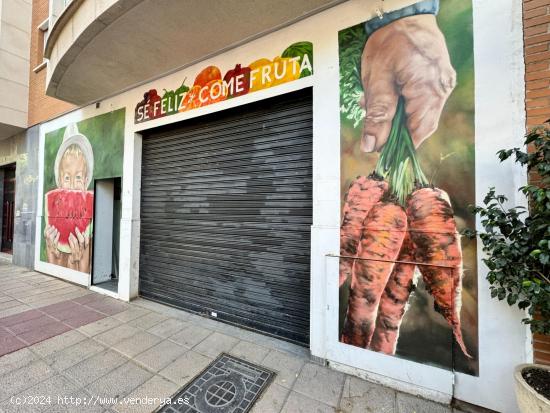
215	88
239	77
300	49
207	75
191	100
285	69
256	82
68	209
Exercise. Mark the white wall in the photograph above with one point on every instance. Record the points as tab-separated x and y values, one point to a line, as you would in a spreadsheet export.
15	29
503	341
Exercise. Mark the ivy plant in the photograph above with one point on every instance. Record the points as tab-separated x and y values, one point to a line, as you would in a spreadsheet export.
517	240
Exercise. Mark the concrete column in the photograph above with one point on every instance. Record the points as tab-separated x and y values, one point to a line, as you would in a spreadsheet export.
26	190
128	283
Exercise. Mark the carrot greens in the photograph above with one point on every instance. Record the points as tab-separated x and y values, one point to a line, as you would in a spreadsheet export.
398	163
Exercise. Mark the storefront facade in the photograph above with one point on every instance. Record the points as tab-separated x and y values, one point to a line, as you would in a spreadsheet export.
232	188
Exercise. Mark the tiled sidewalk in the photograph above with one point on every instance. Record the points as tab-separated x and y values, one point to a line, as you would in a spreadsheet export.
33	326
144	349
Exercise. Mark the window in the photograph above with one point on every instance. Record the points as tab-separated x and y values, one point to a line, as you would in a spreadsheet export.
41	44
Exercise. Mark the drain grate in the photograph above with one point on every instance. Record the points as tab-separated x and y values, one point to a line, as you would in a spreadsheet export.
227	385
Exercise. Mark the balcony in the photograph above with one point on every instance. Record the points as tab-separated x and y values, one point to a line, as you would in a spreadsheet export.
97	48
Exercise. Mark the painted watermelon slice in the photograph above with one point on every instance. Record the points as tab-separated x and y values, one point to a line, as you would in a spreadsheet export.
68	209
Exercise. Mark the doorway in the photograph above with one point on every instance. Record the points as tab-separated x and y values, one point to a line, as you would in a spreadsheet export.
226	215
106	238
7	179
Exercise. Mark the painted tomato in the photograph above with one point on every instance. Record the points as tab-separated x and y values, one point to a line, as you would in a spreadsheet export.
208	74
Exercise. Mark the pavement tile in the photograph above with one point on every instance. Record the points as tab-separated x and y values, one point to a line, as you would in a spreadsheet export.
116	335
76	403
298	403
8	406
9	304
215	344
320	383
109	307
176	313
57	343
159	308
20	318
156	387
10	288
47	392
119	382
88	298
35	323
131	314
57	307
285	365
160	355
48	294
191	335
147	321
16	381
43	333
99	326
96	366
14	310
185	368
67	313
168	327
16	360
9	344
249	351
63	359
136	344
407	403
272	400
361	396
82	318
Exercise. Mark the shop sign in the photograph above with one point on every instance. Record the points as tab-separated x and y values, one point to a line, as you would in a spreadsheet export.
210	86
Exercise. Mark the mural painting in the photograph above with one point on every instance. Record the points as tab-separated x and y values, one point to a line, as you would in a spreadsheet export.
74	157
209	86
408	282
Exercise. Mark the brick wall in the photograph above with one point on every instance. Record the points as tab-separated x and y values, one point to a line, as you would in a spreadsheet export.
536	31
41	107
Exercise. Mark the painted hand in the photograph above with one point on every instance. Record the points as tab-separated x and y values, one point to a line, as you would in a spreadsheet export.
408	57
80	251
52	240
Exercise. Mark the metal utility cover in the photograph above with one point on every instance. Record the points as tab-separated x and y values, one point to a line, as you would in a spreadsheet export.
227	385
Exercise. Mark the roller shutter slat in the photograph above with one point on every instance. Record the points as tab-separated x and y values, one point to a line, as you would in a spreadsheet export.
226	213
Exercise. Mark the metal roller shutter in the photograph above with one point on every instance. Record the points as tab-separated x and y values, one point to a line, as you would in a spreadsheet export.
226	210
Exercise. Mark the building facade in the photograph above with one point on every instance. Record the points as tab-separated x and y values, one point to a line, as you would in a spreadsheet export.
302	170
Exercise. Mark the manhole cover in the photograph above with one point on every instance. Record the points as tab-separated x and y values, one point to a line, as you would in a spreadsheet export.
227	385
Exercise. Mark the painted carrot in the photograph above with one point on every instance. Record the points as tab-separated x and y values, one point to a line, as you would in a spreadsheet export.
383	233
363	194
393	303
437	245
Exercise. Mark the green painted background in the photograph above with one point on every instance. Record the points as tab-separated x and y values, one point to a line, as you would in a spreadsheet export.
106	135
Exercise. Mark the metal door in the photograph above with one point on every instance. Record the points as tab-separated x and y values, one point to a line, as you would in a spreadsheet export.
226	211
